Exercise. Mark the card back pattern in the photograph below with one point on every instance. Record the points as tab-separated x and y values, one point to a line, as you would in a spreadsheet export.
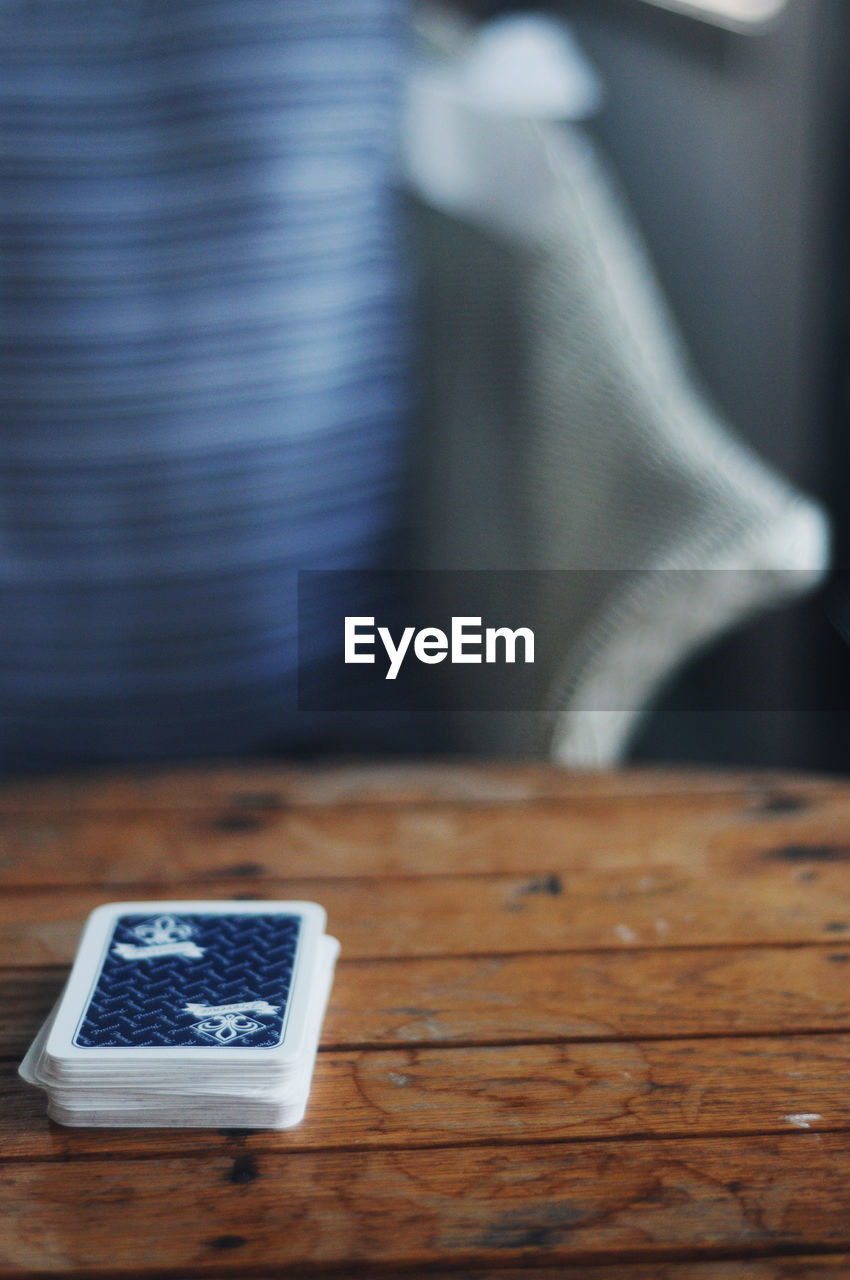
193	980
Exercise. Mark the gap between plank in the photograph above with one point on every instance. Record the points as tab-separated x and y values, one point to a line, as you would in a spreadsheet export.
363	1148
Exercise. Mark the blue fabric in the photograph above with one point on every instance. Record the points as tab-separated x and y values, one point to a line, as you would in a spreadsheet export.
204	359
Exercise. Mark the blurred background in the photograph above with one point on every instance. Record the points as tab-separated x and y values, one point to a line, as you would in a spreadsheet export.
209	354
734	151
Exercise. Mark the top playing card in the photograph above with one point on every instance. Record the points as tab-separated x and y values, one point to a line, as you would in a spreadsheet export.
170	980
188	975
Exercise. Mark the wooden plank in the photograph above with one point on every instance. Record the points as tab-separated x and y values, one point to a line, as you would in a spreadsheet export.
774	1268
832	1266
768	902
581	833
583	1202
511	999
460	1097
268	785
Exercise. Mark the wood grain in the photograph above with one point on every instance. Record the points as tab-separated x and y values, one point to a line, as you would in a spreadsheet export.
703	833
772	1268
591	1202
379	917
514	999
579	1026
512	1094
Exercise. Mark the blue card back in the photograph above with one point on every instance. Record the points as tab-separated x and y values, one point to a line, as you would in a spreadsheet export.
192	980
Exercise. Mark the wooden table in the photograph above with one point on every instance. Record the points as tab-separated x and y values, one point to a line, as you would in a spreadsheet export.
581	1026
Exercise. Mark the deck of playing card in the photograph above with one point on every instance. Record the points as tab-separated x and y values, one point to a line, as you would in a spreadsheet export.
203	1014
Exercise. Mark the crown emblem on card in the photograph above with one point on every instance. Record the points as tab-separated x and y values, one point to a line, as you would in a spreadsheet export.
225	1023
160	936
163	929
227	1027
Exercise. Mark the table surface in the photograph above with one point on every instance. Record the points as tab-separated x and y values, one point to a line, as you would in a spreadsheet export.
581	1025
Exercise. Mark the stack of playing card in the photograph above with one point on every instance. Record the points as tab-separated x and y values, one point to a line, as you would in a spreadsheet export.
188	1013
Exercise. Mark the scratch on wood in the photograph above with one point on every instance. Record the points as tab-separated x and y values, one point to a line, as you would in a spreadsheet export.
550	886
810	853
803	1119
535	1227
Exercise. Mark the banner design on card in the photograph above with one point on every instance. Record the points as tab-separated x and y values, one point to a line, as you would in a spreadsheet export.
247	1006
227	1022
162	936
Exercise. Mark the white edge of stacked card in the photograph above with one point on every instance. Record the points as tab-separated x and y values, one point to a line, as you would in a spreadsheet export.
267	1111
30	1066
59	1047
